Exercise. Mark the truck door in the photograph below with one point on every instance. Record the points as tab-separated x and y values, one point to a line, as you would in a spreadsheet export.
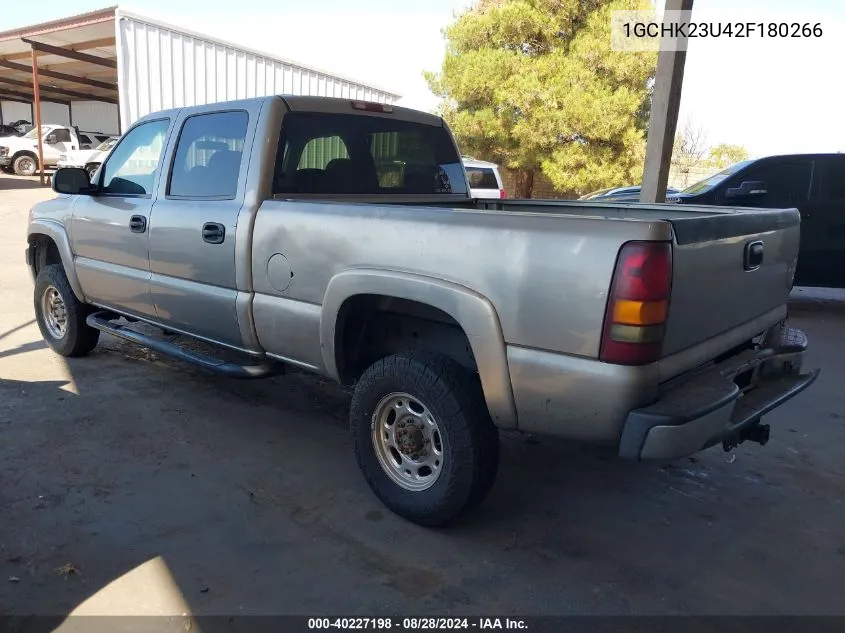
110	230
193	254
57	142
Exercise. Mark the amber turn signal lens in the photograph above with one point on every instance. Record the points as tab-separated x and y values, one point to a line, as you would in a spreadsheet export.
639	312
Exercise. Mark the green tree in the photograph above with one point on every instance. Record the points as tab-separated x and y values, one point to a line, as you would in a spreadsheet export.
535	86
725	155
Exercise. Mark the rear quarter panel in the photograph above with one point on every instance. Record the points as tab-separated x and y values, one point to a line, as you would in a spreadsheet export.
546	275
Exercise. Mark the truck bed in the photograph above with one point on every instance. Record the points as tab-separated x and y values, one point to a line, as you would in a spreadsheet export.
555	257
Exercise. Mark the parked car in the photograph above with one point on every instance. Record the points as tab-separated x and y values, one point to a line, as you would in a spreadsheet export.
21	153
484	178
812	183
656	329
620	194
89	159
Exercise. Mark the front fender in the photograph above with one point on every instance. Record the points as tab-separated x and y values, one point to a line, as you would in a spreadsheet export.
473	312
56	232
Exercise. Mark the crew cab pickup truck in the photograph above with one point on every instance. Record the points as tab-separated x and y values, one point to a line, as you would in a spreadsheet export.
339	236
20	153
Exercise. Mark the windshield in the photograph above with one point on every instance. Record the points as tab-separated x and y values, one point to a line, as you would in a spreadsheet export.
33	133
711	181
106	145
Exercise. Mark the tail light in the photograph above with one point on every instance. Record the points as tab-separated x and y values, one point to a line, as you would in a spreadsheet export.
635	321
502	194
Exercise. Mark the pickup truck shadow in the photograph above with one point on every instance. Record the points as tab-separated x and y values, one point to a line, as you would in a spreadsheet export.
250	495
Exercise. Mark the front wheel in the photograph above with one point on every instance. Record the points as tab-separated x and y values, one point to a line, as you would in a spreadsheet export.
60	315
25	165
423	437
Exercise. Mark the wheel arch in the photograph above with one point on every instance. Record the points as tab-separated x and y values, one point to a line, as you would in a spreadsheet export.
472	312
49	235
25	152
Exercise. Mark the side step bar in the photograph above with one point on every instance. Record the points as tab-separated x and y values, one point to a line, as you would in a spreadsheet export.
100	321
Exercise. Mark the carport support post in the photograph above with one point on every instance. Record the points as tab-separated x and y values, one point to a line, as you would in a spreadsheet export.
665	103
37	99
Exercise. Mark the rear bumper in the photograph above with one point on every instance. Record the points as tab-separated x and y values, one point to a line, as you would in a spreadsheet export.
5	161
710	407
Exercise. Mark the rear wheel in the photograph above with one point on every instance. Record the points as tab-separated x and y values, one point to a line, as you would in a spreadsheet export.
423	437
60	315
91	169
25	165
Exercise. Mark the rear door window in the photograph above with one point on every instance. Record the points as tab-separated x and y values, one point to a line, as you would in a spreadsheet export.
326	153
482	178
208	156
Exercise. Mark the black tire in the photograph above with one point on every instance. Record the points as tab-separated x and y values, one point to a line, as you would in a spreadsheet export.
470	442
78	338
91	169
26	165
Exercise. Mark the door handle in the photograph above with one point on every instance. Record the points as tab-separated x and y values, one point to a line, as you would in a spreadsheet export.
213	233
137	224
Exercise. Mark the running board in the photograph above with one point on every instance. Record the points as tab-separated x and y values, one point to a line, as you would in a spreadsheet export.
99	320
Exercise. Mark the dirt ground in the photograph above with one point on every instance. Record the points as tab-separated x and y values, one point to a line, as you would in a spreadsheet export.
230	497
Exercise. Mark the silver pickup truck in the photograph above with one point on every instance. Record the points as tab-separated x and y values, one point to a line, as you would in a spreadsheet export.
339	236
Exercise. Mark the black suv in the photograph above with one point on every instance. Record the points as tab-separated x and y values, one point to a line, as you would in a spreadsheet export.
812	183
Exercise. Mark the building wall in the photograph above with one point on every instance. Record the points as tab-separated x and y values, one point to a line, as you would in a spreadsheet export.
14	111
95	116
54	113
91	116
161	67
50	112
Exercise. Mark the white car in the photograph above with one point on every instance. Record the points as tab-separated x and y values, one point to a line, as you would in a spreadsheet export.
484	178
85	157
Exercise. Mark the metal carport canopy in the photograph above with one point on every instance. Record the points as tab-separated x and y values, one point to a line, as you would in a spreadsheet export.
72	58
143	65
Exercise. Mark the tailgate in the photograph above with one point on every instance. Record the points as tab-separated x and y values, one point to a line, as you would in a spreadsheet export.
717	284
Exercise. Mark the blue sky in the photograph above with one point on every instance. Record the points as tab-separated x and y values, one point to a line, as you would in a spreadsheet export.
771	95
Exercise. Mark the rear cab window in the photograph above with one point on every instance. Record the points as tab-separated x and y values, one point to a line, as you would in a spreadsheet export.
329	153
482	178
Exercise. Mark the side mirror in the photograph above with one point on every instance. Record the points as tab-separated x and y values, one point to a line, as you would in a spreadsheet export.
72	181
51	138
747	189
